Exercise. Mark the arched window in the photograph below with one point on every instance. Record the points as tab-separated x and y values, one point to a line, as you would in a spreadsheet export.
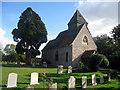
56	56
66	56
85	40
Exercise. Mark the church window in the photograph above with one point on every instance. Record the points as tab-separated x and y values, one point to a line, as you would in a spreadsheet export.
56	56
66	56
85	40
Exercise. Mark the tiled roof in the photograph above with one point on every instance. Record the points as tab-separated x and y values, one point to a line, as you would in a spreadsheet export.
65	38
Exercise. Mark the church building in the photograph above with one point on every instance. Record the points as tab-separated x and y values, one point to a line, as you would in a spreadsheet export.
72	45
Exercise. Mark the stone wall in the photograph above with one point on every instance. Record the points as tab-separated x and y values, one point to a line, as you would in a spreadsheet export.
50	56
78	46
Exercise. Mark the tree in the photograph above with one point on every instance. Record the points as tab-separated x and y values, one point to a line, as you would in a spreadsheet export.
12	57
104	44
9	48
97	61
30	34
116	36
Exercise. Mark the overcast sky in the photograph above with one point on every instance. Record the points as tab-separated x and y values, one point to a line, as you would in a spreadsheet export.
101	17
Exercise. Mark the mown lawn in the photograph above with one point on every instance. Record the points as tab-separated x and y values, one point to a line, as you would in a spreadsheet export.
61	79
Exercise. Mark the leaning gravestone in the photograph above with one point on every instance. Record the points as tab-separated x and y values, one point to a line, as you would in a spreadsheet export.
52	86
70	69
12	80
84	82
71	82
34	78
60	69
109	77
94	79
101	79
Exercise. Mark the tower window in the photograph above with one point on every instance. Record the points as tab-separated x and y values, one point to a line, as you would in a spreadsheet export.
66	56
56	56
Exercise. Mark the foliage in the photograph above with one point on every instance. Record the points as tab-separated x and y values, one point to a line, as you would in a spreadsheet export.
116	36
81	65
104	44
13	57
98	60
113	74
9	48
30	34
115	60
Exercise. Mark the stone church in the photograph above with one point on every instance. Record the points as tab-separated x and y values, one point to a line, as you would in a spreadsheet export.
72	45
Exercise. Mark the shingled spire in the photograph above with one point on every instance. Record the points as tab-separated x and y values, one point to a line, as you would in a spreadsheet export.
76	20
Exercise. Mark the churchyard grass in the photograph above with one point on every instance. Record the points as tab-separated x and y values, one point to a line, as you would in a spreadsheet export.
62	79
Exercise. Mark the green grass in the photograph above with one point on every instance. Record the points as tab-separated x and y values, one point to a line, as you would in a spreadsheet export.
61	79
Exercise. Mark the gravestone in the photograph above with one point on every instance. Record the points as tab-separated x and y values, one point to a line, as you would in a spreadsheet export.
60	69
52	86
34	78
70	69
84	82
71	82
45	64
94	79
12	80
33	64
101	79
109	77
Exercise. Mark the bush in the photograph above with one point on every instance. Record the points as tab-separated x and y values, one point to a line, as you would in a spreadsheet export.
13	57
113	74
97	60
82	67
115	60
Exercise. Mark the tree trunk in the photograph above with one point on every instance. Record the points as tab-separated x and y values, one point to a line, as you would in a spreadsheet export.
28	58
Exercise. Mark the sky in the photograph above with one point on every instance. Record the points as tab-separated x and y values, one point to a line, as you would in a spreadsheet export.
101	16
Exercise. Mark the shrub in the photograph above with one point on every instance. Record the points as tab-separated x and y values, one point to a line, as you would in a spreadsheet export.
13	57
98	60
82	67
113	74
115	60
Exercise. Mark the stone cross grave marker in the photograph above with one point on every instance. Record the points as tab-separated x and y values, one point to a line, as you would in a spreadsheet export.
109	77
94	79
12	80
84	82
52	86
71	82
34	78
60	69
101	79
70	69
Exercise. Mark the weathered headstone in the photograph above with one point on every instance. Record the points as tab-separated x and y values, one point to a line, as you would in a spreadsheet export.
45	64
33	64
109	77
94	79
71	82
12	80
52	86
34	78
70	69
101	79
60	69
84	82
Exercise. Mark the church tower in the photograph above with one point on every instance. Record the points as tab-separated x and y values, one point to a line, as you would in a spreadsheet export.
76	20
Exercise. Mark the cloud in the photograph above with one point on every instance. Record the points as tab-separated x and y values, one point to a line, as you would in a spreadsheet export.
4	40
101	16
